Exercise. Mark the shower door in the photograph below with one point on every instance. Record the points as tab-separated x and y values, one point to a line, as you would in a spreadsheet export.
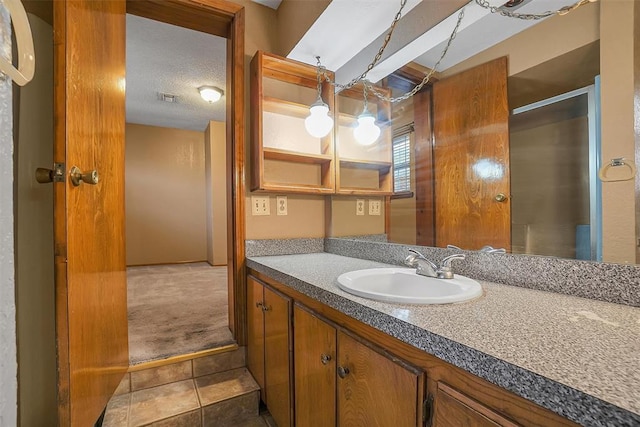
555	190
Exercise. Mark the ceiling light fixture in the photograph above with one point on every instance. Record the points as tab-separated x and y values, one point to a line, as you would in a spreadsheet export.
319	123
210	94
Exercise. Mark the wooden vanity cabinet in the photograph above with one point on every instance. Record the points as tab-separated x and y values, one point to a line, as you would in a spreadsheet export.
269	347
453	409
343	380
388	383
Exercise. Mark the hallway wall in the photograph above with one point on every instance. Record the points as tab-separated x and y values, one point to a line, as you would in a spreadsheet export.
164	195
8	364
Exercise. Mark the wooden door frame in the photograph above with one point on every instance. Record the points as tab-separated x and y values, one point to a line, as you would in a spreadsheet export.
224	19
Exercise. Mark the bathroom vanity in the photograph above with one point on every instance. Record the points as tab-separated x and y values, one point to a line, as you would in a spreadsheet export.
513	356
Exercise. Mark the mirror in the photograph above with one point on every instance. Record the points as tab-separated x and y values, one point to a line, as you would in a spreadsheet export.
568	114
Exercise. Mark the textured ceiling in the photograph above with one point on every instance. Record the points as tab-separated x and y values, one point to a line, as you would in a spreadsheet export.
163	58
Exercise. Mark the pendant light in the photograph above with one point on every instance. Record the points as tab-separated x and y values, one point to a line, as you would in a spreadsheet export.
319	123
366	132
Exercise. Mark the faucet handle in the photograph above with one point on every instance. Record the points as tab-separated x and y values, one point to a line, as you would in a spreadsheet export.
491	250
414	256
446	262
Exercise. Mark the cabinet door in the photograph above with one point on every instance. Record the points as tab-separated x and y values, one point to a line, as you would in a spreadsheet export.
454	409
374	390
314	354
277	318
255	332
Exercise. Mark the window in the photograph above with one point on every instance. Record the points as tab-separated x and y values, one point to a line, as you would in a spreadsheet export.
402	163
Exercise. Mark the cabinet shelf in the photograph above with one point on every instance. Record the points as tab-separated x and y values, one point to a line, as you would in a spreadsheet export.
280	106
381	166
293	156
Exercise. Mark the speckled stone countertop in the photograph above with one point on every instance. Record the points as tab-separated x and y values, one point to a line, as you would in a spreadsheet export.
577	357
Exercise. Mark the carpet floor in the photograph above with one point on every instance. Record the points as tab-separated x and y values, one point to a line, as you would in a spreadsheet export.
176	309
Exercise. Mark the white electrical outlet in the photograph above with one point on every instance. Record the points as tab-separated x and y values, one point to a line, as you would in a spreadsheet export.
281	203
375	207
260	205
360	207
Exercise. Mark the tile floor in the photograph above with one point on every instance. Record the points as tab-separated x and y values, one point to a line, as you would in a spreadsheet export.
215	390
176	309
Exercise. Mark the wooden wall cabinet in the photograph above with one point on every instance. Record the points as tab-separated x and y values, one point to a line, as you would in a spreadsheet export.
344	380
285	158
269	347
363	170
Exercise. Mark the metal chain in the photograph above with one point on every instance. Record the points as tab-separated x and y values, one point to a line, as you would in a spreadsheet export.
426	78
530	16
482	3
376	59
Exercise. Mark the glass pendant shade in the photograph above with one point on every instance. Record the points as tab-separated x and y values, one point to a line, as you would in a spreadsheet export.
319	123
367	132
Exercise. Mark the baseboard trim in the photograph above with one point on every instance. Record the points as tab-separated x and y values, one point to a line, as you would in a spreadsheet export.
182	358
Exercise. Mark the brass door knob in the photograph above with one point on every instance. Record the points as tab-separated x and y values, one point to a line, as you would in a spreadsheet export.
44	175
78	177
325	358
343	371
501	197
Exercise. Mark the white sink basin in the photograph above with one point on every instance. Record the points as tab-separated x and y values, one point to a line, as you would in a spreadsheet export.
403	285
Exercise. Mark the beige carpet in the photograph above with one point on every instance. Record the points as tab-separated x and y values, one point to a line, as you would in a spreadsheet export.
176	309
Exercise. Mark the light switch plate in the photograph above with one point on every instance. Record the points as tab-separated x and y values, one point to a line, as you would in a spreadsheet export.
281	203
260	205
360	207
374	207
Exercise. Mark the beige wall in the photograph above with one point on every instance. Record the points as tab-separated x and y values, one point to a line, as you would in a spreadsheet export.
542	42
35	297
343	221
295	17
306	215
617	77
164	195
215	148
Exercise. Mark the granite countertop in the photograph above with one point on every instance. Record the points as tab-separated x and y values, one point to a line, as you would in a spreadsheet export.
577	357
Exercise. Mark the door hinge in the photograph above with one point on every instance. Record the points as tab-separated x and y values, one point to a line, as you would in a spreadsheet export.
427	411
58	172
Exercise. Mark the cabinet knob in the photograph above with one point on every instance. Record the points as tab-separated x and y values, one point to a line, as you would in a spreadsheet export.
343	371
258	305
266	308
501	197
325	358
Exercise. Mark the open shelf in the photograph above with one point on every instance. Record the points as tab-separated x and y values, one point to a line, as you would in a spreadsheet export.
293	156
280	106
381	166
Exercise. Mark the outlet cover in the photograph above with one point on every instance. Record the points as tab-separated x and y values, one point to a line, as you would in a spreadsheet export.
281	203
360	207
374	207
260	205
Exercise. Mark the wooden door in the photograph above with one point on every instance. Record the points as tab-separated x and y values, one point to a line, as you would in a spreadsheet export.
91	294
374	390
277	356
314	355
255	332
471	158
454	409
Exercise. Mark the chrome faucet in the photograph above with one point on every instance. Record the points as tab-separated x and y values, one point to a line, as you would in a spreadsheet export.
424	267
